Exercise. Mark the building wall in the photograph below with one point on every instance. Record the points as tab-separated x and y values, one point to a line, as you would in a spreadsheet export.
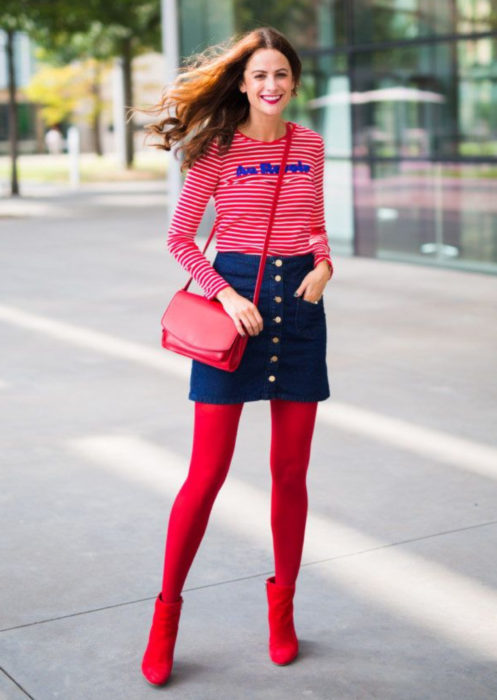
405	95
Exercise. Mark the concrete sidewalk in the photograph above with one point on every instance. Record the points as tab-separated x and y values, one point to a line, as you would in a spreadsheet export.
396	598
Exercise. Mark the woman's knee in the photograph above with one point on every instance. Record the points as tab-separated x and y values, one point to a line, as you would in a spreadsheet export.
200	492
289	473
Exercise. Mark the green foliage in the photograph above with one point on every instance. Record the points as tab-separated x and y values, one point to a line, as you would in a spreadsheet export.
57	89
63	90
12	15
68	30
96	28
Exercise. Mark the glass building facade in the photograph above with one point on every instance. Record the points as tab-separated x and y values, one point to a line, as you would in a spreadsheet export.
404	93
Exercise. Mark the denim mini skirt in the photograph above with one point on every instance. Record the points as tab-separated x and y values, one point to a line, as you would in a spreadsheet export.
287	359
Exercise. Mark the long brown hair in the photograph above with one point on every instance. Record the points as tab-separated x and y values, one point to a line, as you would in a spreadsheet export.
206	95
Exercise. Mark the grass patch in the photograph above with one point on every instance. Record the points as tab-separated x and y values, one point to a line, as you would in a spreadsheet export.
47	168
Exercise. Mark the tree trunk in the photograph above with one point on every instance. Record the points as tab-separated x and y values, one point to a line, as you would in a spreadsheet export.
97	109
13	130
128	99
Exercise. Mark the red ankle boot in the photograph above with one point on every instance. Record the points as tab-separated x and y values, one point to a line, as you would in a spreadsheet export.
158	658
283	642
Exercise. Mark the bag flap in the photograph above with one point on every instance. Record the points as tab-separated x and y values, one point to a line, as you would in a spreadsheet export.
199	322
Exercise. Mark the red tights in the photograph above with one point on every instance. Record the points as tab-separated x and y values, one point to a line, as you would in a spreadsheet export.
214	436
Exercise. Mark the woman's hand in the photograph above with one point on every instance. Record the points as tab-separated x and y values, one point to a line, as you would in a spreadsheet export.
313	284
241	310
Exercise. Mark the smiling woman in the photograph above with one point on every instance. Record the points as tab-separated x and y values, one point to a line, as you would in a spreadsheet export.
230	105
267	82
221	89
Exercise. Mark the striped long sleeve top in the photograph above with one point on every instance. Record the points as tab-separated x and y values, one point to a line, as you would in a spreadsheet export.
242	182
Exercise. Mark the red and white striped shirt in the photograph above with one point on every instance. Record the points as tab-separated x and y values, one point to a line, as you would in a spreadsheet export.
242	182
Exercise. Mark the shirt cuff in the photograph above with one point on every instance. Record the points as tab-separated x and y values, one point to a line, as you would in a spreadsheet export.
215	290
318	258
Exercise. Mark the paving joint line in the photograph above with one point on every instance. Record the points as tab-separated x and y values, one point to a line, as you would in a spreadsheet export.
250	576
401	542
6	673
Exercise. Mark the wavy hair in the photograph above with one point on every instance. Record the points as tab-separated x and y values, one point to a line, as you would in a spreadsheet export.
206	97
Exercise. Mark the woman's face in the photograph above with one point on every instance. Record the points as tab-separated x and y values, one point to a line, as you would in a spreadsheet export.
267	80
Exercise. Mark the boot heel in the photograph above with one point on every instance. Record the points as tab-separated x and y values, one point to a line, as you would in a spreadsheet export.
157	661
283	642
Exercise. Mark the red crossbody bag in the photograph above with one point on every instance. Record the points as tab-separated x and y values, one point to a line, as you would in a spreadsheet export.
200	328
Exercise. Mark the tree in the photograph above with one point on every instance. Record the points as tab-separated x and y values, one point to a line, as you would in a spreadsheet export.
69	90
133	27
57	89
63	90
102	29
95	28
17	16
12	21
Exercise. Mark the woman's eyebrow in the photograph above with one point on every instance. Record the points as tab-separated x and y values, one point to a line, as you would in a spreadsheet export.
261	70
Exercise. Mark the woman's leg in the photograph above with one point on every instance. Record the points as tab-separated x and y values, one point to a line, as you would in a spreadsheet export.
292	427
214	436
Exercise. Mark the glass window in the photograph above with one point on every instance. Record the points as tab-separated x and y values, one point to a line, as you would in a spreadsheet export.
410	128
477	97
476	16
434	100
307	24
387	20
325	107
202	23
330	17
439	213
325	83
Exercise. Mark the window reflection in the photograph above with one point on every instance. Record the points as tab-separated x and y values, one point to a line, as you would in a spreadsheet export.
436	100
321	23
475	16
386	20
477	88
435	212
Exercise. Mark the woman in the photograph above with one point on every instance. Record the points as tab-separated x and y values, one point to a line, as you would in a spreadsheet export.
231	104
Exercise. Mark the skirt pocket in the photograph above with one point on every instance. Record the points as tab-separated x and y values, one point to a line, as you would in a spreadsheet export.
310	317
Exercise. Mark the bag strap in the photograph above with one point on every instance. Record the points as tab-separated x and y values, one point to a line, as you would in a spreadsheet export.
281	171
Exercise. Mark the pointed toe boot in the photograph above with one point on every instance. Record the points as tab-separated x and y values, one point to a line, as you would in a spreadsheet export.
283	642
157	661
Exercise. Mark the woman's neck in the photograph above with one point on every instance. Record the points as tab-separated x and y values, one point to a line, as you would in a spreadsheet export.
263	129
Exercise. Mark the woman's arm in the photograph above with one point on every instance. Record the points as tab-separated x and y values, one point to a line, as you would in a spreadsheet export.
319	237
200	184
